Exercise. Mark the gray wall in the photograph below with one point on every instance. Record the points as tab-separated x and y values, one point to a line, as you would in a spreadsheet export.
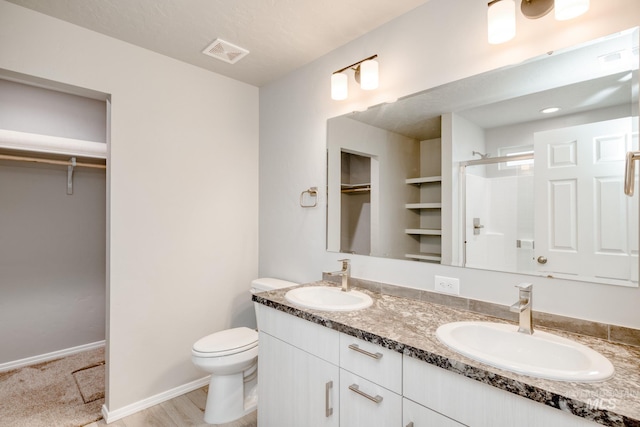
52	245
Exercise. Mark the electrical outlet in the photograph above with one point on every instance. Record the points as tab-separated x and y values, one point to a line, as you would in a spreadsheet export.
447	285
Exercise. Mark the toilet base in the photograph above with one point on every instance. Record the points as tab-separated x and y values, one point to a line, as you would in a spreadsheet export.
230	398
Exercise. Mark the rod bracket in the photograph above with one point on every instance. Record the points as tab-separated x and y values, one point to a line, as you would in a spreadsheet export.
70	169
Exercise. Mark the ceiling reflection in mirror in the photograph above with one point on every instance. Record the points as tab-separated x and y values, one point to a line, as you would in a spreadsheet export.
476	173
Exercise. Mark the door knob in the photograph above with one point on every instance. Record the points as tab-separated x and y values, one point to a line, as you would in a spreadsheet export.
477	226
542	260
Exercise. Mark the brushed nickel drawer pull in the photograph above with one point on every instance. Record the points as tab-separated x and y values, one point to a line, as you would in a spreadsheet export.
355	347
356	388
328	410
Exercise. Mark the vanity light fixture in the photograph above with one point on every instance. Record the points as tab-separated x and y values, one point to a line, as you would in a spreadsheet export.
501	21
501	16
366	73
569	9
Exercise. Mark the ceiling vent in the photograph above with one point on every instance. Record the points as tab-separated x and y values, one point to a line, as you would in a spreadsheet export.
225	51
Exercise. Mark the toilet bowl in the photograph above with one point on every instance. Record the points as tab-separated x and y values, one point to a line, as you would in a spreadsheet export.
231	357
228	356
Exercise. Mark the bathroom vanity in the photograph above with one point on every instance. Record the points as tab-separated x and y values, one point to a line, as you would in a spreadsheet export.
383	366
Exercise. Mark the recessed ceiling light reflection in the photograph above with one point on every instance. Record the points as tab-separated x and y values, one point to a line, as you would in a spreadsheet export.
550	110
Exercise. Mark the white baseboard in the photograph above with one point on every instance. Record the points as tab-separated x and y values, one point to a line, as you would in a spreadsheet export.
110	416
49	356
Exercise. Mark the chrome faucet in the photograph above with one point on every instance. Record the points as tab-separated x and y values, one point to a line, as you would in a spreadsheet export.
523	307
345	274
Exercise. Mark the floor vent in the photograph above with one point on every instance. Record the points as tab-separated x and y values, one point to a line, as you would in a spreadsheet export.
225	51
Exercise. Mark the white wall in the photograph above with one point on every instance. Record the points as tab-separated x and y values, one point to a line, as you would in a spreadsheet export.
181	201
434	44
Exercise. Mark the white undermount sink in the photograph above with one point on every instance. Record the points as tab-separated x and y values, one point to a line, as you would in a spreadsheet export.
328	298
540	355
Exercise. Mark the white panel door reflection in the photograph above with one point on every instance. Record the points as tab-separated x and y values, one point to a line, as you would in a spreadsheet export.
584	222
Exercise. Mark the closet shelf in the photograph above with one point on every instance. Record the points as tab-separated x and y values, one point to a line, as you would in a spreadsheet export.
423	180
425	257
423	205
36	143
355	188
424	231
49	150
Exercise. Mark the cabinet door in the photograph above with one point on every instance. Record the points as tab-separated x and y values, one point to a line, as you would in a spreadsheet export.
369	404
414	415
295	388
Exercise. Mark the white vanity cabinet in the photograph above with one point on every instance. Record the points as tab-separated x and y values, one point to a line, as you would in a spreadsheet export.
301	381
370	384
310	375
298	374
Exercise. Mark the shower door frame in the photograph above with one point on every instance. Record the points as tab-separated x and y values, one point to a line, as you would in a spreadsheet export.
462	192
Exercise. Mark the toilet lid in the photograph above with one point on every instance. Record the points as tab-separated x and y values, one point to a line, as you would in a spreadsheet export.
228	341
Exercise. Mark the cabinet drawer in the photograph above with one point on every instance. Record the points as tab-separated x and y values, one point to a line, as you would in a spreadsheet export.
315	339
363	403
414	415
372	362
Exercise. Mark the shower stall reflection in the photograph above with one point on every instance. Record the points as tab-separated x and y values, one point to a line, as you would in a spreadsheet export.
497	206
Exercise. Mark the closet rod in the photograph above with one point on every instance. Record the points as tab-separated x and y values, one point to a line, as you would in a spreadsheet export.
51	161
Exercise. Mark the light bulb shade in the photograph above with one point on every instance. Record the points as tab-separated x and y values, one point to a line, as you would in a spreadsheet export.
339	86
501	23
568	9
369	75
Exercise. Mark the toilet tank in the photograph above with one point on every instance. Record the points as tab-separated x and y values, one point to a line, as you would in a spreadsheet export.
268	284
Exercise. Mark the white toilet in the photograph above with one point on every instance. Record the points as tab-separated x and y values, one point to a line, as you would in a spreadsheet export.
231	357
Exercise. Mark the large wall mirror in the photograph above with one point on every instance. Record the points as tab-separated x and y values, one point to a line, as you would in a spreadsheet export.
519	169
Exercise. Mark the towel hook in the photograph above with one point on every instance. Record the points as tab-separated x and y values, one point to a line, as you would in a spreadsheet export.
313	194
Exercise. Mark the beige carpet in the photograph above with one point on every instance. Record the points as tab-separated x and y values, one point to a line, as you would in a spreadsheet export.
67	392
90	381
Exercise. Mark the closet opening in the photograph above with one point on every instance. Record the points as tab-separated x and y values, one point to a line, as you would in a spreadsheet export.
53	228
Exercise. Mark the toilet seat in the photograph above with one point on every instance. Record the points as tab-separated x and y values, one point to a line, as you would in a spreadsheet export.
225	343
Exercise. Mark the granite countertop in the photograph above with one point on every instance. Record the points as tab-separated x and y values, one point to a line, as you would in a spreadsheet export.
408	326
